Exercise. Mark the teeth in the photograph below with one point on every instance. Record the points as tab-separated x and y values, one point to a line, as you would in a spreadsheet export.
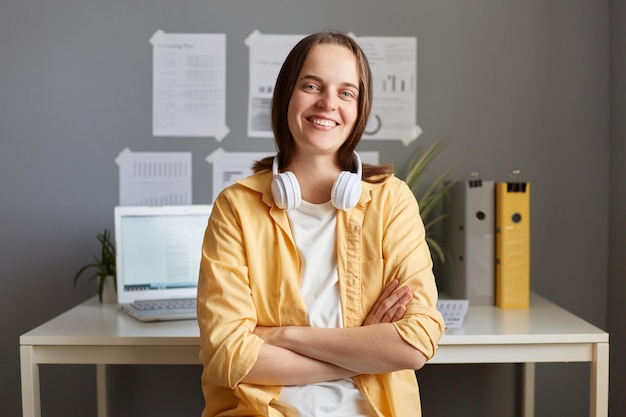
323	122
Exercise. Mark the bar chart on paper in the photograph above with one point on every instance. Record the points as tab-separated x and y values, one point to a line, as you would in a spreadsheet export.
155	178
397	83
393	60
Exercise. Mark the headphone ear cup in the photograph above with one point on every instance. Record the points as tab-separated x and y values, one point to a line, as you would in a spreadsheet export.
346	190
286	191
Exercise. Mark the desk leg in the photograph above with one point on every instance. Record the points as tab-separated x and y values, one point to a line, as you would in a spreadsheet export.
31	406
102	399
528	389
599	399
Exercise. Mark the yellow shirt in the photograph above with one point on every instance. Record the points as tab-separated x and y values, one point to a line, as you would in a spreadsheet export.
249	275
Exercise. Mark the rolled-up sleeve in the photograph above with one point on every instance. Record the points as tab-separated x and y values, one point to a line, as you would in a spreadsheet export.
407	258
226	313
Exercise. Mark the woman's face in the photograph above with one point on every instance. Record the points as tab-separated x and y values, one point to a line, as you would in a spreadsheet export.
324	103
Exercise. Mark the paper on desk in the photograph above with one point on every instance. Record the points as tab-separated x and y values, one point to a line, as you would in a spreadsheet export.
453	311
154	178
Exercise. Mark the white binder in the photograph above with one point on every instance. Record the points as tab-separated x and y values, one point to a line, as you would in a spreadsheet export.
468	236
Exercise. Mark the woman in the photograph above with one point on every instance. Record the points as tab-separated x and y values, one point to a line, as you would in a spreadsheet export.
316	295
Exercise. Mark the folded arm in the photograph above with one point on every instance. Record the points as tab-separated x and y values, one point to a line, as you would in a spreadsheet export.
365	350
298	355
279	366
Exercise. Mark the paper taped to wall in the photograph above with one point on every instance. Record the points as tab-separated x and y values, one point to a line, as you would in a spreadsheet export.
154	178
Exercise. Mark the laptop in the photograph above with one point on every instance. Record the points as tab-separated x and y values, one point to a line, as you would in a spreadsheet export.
158	251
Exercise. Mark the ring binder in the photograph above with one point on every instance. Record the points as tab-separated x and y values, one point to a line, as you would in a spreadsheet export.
513	243
469	236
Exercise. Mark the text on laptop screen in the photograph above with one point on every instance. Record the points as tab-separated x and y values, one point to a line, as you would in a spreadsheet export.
162	252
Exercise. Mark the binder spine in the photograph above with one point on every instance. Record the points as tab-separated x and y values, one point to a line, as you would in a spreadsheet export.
512	244
468	233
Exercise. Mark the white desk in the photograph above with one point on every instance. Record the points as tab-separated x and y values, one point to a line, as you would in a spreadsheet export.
92	333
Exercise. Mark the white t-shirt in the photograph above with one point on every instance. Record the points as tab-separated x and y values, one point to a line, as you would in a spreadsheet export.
314	229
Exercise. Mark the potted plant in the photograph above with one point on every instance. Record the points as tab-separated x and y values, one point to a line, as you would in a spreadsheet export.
103	268
432	197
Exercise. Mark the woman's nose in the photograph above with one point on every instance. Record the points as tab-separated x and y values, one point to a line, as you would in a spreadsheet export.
328	101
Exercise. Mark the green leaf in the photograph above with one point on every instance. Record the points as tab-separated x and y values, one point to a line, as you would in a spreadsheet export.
437	252
431	199
83	269
103	265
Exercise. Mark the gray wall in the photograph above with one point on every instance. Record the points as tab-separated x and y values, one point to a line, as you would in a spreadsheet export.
617	208
519	84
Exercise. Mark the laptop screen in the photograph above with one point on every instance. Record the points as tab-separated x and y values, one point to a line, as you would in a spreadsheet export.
158	250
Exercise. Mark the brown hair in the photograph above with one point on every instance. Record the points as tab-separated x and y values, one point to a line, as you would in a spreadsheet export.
285	84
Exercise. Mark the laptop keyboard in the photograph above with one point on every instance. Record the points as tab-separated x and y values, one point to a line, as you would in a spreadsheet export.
184	303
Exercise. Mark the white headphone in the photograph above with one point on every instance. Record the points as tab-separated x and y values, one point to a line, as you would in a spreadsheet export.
344	195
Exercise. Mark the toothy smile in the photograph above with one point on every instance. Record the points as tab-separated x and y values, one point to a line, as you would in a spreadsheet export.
323	122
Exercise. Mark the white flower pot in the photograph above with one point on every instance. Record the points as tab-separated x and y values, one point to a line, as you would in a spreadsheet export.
109	294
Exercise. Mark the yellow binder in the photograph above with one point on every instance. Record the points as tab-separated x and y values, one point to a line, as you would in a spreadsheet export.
512	244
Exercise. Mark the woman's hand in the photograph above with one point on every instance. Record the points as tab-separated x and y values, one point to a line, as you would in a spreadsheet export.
390	306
